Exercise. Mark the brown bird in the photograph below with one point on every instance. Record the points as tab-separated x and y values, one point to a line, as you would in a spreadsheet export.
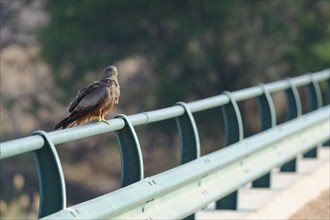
94	101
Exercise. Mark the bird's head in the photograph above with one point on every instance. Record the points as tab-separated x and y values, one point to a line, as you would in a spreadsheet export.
110	72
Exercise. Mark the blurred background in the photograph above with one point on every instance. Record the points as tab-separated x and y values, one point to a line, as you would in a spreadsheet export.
165	51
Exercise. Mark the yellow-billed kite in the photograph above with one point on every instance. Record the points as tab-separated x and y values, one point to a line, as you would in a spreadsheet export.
94	101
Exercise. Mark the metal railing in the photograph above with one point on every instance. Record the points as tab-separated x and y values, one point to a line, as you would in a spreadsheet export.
181	191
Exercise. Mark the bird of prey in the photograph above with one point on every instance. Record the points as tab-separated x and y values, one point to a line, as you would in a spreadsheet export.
94	101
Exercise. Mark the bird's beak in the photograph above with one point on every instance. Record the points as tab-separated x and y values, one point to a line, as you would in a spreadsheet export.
115	71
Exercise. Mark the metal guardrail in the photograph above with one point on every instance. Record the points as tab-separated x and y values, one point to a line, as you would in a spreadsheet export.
181	191
213	177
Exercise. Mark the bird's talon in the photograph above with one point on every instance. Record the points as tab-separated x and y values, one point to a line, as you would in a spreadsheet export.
104	120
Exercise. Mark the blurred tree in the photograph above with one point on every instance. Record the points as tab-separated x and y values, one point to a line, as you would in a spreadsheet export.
19	20
208	45
192	49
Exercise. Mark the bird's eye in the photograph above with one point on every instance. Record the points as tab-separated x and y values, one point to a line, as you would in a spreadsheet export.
108	69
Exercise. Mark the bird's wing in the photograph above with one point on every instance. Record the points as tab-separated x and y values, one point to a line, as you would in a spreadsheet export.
91	99
81	94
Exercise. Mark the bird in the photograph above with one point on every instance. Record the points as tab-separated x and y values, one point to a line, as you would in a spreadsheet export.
94	101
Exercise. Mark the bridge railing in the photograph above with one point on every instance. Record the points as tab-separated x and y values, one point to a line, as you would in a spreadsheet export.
181	191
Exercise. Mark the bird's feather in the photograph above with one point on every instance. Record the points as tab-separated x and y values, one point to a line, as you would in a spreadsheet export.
94	101
82	93
91	100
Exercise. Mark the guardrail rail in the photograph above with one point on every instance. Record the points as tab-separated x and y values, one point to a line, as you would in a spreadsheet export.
179	192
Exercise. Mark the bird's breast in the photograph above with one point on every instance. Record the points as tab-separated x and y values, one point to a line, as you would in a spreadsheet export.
107	105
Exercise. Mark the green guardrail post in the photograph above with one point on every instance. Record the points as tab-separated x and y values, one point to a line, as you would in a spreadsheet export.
267	118
189	138
314	98
130	153
51	178
293	110
190	146
234	133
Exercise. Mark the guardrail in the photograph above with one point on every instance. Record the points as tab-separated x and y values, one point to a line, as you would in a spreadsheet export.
181	191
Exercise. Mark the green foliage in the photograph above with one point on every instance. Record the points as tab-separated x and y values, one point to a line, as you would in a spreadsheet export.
194	48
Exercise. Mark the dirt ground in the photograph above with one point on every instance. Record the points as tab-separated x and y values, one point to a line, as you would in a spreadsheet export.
317	209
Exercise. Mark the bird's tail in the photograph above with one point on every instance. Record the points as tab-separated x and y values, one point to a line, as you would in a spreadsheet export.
67	122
